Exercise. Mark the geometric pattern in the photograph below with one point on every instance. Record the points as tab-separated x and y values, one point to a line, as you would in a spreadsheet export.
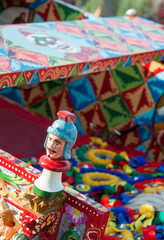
14	95
56	11
44	51
53	86
104	88
47	10
138	100
59	101
101	100
92	114
33	95
42	108
127	78
115	110
156	86
145	117
81	93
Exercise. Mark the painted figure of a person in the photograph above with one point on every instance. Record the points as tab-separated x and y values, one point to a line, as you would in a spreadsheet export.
59	141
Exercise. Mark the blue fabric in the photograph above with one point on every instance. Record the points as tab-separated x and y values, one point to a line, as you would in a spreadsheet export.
121	214
161	168
137	161
124	198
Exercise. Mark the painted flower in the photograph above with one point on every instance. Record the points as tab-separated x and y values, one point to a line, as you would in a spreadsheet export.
75	216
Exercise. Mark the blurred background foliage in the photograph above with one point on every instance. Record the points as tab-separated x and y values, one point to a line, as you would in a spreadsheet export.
107	8
90	5
143	7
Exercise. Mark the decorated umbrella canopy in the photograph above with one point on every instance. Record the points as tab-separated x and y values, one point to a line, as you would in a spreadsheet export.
38	52
89	67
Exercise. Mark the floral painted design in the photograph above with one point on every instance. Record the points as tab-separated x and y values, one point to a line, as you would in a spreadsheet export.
75	216
49	222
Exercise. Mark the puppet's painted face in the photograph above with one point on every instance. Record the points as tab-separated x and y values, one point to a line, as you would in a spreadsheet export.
55	146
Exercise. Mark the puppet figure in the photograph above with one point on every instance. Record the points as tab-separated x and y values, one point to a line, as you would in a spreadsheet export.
59	141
